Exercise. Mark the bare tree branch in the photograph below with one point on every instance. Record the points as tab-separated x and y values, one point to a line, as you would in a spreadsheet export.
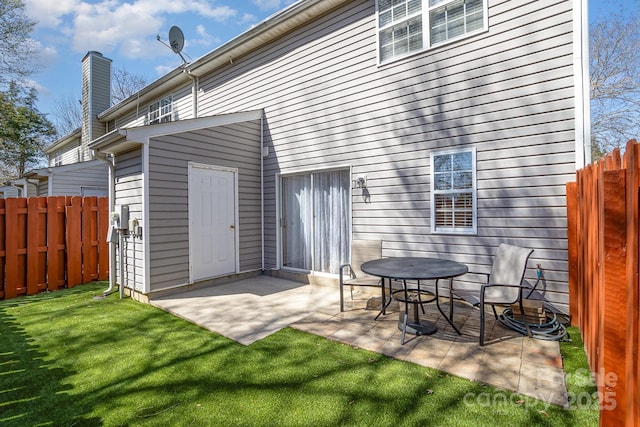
615	81
67	113
124	84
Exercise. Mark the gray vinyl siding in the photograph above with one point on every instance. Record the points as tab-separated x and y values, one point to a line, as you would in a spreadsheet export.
129	191
32	190
70	182
508	92
134	118
233	146
43	189
8	191
182	105
67	155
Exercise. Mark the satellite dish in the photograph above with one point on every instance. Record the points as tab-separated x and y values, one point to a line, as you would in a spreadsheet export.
176	39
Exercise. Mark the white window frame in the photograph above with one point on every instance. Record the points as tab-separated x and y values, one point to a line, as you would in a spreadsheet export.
474	191
160	111
425	15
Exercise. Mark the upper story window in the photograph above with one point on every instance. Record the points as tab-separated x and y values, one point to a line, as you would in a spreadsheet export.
453	191
160	111
409	26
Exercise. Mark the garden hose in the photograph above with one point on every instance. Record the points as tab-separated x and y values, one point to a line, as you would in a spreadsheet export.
551	330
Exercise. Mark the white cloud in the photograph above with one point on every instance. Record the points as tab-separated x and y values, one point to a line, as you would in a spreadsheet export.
124	29
47	55
268	4
37	86
273	4
128	28
161	70
50	13
204	38
248	18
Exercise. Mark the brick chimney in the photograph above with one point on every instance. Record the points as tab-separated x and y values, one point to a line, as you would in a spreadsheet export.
96	98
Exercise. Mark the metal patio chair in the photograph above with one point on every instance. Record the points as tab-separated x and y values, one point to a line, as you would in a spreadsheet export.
351	275
503	285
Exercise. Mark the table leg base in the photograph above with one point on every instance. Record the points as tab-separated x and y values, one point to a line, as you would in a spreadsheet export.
415	326
422	328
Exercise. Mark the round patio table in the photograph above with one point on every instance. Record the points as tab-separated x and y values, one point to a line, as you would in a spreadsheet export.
414	268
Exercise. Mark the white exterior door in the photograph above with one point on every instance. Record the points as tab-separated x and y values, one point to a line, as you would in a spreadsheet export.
212	221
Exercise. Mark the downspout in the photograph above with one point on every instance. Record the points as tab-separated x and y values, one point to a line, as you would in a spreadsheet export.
121	259
195	87
112	197
262	156
49	182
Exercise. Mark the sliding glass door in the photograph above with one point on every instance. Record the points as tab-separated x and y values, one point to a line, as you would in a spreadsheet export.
315	220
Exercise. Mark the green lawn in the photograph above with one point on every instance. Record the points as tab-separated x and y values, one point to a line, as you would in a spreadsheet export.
69	360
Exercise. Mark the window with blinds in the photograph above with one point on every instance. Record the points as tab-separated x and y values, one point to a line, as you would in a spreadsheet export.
409	26
453	192
160	111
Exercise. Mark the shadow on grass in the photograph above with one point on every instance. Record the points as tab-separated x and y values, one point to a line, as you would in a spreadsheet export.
118	362
32	389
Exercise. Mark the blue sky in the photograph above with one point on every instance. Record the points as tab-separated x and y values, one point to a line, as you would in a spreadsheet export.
126	31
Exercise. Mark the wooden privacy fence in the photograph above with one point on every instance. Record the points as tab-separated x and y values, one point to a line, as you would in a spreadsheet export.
603	232
47	243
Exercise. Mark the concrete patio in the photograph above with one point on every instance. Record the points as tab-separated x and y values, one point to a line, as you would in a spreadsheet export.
251	309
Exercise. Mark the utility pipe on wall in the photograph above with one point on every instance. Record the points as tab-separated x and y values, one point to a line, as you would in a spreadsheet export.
112	198
121	259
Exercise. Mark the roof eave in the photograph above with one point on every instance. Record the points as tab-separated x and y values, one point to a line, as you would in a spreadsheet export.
158	88
61	142
113	143
270	29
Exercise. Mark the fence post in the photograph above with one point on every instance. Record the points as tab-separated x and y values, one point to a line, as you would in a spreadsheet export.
56	249
36	245
3	252
611	379
16	247
572	249
589	226
89	239
632	368
74	241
